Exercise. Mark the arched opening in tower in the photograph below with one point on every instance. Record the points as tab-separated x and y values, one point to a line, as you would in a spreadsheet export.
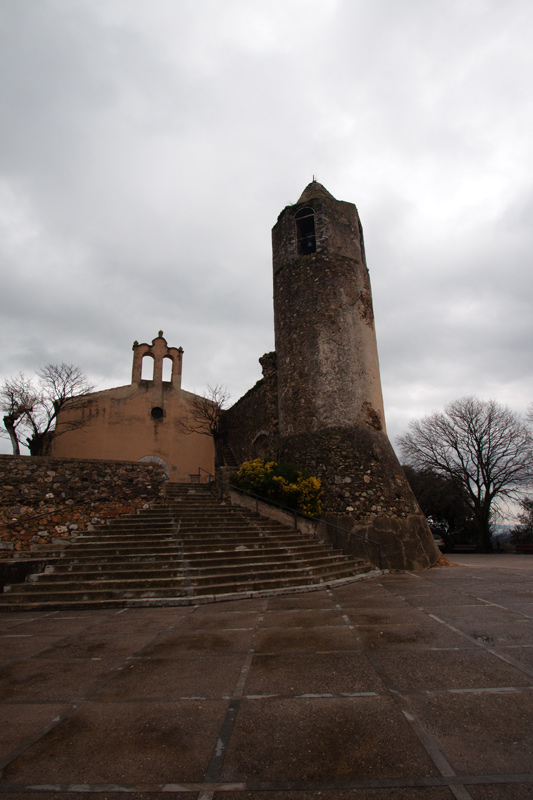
147	368
167	369
305	231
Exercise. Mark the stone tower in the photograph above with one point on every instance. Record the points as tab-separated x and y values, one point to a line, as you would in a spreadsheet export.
323	318
330	406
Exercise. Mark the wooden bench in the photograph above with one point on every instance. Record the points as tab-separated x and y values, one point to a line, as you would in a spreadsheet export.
464	548
524	548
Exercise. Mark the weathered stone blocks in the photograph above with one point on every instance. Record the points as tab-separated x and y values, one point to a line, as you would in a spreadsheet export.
47	499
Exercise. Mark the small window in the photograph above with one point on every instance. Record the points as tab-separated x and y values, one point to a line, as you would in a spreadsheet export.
157	412
305	231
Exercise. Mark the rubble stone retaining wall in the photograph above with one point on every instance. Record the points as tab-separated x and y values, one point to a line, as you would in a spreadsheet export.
45	500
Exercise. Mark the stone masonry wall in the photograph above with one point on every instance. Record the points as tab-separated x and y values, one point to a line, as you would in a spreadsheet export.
251	425
43	500
366	492
359	471
244	421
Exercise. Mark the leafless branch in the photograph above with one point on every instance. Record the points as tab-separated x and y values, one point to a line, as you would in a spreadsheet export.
482	446
206	412
31	410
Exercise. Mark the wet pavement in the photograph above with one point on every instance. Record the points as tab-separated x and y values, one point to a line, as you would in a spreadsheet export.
403	686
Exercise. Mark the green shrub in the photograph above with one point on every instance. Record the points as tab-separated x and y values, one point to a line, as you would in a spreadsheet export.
282	483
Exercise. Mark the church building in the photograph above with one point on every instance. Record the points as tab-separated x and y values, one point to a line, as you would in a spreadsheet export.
147	420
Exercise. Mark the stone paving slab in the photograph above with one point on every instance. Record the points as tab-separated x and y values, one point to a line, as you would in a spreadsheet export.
495	791
445	599
56	626
146	743
20	646
523	654
408	686
95	645
313	600
313	640
409	637
102	794
308	618
428	793
110	794
433	670
312	673
324	739
200	642
21	724
385	616
481	732
37	680
173	678
480	614
208	620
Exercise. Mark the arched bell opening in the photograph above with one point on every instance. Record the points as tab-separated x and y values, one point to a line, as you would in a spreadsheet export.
305	231
147	368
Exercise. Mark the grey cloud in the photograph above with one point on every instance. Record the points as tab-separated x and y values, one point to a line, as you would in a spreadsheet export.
148	149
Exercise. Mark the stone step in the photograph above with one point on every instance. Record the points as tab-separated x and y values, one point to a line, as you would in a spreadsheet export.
285	574
192	547
230	540
98	539
205	584
136	558
112	537
148	520
69	564
142	525
223	561
230	543
198	523
81	574
190	550
66	598
110	584
103	571
147	513
233	558
255	584
131	529
126	547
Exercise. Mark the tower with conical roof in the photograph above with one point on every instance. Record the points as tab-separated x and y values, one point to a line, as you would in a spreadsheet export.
330	406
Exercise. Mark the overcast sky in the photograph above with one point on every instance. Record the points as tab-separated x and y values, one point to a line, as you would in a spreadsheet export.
147	147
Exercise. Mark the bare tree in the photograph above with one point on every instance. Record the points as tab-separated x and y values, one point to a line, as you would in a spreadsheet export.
31	410
18	396
483	447
443	501
205	416
523	532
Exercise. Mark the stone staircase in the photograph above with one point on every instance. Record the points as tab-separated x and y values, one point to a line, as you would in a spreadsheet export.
191	549
228	456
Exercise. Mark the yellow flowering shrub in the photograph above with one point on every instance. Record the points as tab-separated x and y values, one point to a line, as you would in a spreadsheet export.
282	483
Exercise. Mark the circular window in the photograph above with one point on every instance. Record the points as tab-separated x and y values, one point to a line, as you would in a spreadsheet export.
157	412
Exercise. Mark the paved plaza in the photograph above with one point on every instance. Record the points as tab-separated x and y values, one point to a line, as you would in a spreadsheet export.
402	686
